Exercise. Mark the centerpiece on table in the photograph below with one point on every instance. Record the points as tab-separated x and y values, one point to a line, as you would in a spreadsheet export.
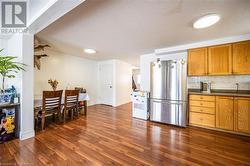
8	68
53	84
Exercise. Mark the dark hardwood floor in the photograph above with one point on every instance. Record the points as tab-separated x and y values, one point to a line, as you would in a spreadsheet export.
109	136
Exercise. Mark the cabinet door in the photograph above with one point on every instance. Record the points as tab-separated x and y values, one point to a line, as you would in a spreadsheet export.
220	60
242	114
225	112
197	61
241	58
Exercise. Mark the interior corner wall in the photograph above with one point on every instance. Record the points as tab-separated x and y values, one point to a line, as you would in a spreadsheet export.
123	82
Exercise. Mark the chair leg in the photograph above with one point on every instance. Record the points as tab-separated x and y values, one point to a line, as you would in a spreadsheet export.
53	117
77	112
59	116
85	107
64	115
72	114
43	123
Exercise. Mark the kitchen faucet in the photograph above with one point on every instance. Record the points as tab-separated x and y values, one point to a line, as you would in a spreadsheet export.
237	87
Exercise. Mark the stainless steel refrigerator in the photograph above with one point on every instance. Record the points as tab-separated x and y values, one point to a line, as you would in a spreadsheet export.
168	92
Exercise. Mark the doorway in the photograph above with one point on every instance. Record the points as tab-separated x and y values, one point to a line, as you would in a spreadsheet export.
106	89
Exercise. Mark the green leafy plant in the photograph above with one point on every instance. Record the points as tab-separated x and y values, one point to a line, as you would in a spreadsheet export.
8	68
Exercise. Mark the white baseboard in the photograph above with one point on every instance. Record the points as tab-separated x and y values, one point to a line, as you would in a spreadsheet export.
122	103
26	134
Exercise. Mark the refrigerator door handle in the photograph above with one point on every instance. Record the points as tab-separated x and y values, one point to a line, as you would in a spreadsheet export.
177	117
167	101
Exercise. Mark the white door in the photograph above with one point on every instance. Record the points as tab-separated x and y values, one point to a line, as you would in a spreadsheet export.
106	84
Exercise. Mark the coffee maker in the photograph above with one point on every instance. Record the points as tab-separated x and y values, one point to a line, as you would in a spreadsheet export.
205	87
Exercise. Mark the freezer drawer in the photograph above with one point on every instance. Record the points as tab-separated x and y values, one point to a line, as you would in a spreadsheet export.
169	112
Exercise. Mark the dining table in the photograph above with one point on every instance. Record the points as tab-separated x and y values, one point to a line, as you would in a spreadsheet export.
83	97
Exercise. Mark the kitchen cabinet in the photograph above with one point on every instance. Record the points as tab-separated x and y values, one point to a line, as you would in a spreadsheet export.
224	112
202	119
202	98
220	60
242	114
197	61
202	110
241	57
202	103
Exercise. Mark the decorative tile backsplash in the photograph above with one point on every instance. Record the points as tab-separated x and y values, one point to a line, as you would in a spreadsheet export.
221	82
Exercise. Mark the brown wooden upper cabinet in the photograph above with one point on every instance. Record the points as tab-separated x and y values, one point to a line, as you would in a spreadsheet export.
242	114
241	57
220	60
197	61
225	112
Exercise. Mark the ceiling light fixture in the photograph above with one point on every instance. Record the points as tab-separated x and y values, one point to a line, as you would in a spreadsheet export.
89	51
206	21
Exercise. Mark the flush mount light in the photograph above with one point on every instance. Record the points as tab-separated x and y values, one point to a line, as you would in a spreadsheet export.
89	51
206	21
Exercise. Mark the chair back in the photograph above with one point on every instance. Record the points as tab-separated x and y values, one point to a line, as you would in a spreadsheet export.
71	98
81	90
52	100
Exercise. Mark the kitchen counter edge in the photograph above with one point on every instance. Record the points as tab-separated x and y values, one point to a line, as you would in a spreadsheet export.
241	93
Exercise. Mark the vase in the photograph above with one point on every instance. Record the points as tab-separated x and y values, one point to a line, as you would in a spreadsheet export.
5	98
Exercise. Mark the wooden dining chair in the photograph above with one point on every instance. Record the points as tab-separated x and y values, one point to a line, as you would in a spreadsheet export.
51	105
82	104
71	103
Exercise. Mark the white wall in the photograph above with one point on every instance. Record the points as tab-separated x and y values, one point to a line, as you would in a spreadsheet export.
4	46
27	88
14	50
145	61
123	84
69	71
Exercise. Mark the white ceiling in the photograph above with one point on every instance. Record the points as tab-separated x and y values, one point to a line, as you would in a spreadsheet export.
126	29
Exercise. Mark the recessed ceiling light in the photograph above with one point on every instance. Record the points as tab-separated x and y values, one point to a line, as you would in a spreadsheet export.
89	51
206	21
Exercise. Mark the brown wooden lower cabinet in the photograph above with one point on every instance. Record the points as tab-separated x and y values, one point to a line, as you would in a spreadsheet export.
202	110
220	112
242	114
225	112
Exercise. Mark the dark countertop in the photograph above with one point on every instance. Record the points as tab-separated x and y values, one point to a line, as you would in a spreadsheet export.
217	92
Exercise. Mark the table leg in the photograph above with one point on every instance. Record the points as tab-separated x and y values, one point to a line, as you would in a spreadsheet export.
85	107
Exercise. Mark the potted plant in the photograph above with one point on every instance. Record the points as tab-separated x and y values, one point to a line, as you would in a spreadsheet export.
8	68
53	84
